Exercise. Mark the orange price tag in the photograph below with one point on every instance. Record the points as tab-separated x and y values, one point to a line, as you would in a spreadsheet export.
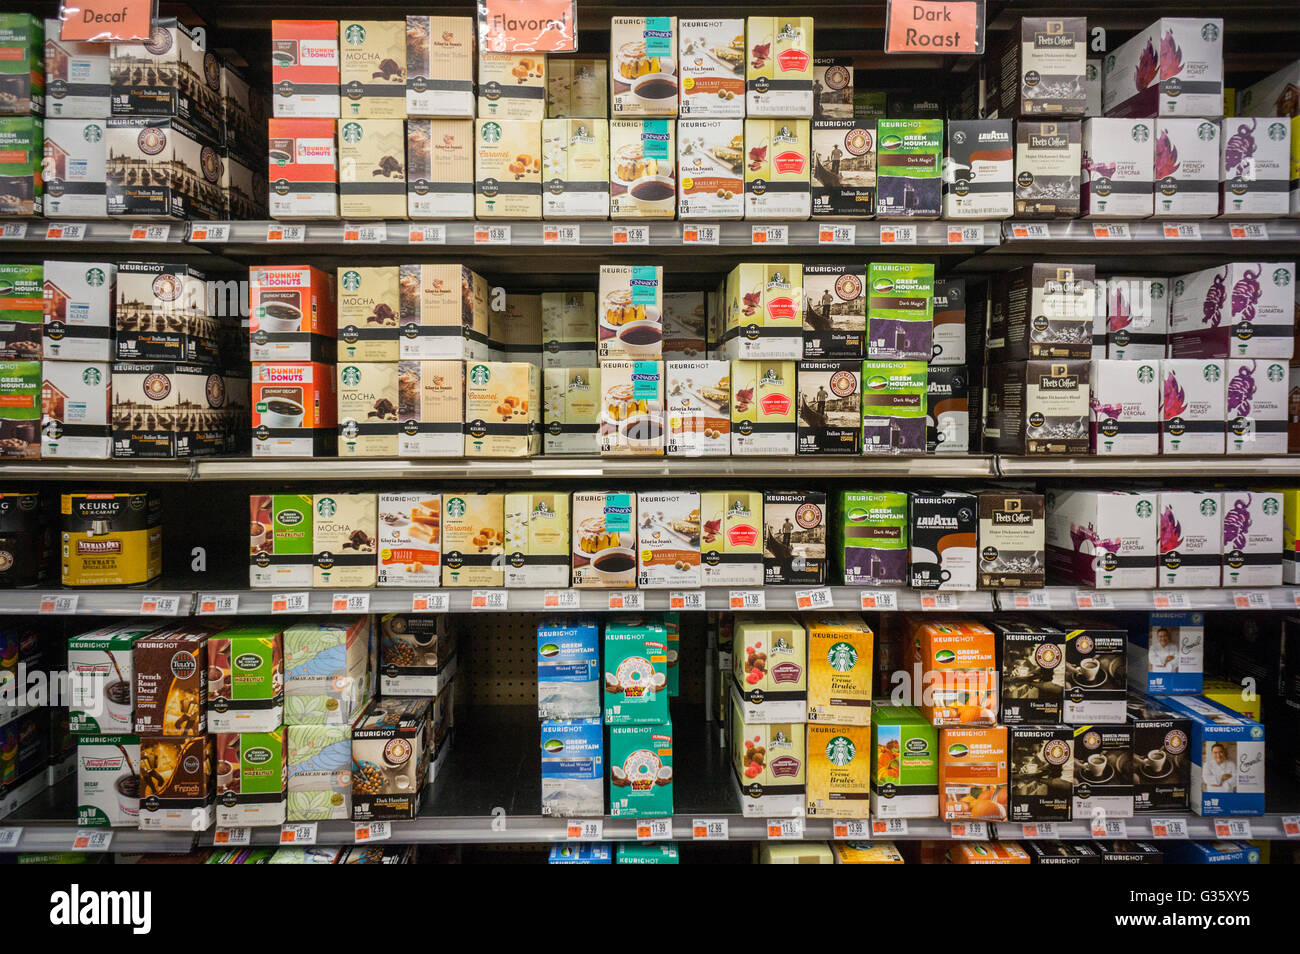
934	26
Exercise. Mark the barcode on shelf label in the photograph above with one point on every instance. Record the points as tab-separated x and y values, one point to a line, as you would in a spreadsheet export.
280	232
965	235
160	605
889	827
427	235
1113	230
561	235
837	235
629	235
59	604
1233	828
9	838
560	600
1086	601
210	232
150	233
1109	828
898	235
970	831
232	837
372	831
92	840
1174	600
65	231
430	602
218	604
1169	828
818	599
290	602
938	601
779	829
699	234
298	833
365	232
489	600
857	828
752	600
1034	599
654	829
878	600
769	235
626	601
585	829
350	603
1252	599
491	235
1183	230
15	231
709	829
1291	826
1030	230
1039	830
689	601
1248	230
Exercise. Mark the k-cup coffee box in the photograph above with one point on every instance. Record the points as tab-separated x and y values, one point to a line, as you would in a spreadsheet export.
368	399
440	66
75	401
839	670
1118	168
900	311
948	324
843	168
443	311
577	86
959	657
76	156
641	770
904	763
575	169
769	669
1127	852
1011	540
1193	406
573	767
1172	68
568	329
430	408
473	539
161	314
537	540
102	673
568	669
834	311
372	169
171	682
108	783
763	408
177	783
973	772
410	539
838	771
246	679
830	407
1033	671
167	411
440	168
390	759
1290	524
1043	68
305	69
1162	762
643	74
630	312
1252	538
302	173
712	67
21	312
636	680
344	532
512	86
295	410
1038	407
76	76
893	407
1125	407
698	397
1092	85
1049	158
794	538
571	411
1044	311
1241	310
21	185
181	165
252	778
632	408
668	540
779	74
642	168
369	312
79	298
22	80
778	155
372	69
1137	318
280	547
1167	655
711	168
947	410
604	539
942	532
685	325
1191	534
327	671
417	654
1101	784
1041	766
1096	677
978	173
293	314
1103	539
1187	167
731	541
909	168
833	87
1227	756
1271	96
243	186
764	309
871	538
110	539
173	73
27	534
515	330
1256	413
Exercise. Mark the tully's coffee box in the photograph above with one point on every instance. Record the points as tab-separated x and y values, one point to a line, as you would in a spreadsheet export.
942	532
78	307
294	409
293	314
794	538
171	682
372	168
368	409
843	168
834	311
1044	68
1033	668
1162	763
731	538
368	313
1101	784
1049	157
177	782
280	545
345	535
440	168
246	679
172	73
302	170
978	172
830	407
1096	672
252	778
1038	407
440	66
1011	540
305	69
372	69
1041	773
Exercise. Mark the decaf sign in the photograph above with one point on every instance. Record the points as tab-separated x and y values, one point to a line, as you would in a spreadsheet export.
935	26
104	20
528	26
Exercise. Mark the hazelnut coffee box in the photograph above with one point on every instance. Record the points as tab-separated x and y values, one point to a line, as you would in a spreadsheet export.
280	547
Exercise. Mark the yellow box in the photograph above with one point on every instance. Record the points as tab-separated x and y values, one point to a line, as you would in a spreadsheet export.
345	534
764	312
507	169
839	771
473	539
577	87
503	408
372	69
512	86
368	405
372	168
763	408
1230	694
866	853
770	762
781	82
777	183
370	303
839	670
537	540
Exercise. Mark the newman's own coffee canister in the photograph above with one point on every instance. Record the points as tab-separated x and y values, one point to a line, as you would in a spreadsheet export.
110	539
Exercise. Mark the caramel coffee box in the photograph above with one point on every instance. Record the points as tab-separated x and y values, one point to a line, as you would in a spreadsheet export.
834	311
630	312
502	409
75	401
369	313
302	169
604	539
372	69
537	540
430	408
731	541
830	407
1012	540
571	401
512	86
763	409
668	540
440	168
575	169
372	168
778	158
698	408
632	408
344	533
507	169
294	409
76	76
642	168
410	539
440	66
710	168
473	539
177	783
171	681
712	67
779	71
305	68
568	329
281	552
76	154
246	679
293	314
794	538
643	66
843	168
443	312
79	298
368	409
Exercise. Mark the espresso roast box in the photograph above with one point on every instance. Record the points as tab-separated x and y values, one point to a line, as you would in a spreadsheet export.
440	66
305	68
1011	540
1043	68
281	551
1049	158
978	174
942	532
302	171
843	168
1162	757
440	168
78	307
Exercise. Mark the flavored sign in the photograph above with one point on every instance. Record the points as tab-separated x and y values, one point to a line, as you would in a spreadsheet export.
519	26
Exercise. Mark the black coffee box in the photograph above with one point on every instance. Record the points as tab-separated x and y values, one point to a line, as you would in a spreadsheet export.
1161	766
794	538
1032	661
1041	773
1062	853
1102	786
1129	853
942	533
830	408
834	311
1096	671
843	168
1011	540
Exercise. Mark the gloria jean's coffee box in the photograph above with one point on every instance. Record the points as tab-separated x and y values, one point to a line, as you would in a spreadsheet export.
512	86
668	540
293	314
443	310
280	545
1102	785
161	168
778	154
830	407
604	539
893	407
440	168
571	411
1033	671
302	170
631	409
978	173
537	540
390	758
871	538
440	66
641	770
78	307
573	767
834	311
575	168
1102	539
942	532
1256	418
305	68
1096	676
252	778
1252	538
1049	158
171	682
1042	772
1011	540
368	313
172	73
843	168
502	409
698	395
372	69
1191	537
102	672
712	67
839	670
344	534
1240	310
1187	167
108	784
368	399
1256	164
161	314
372	169
1043	69
947	407
1044	311
1162	763
1193	408
75	162
900	311
642	168
710	168
794	538
685	325
76	76
643	66
1038	407
763	408
473	539
327	671
417	654
410	539
731	538
295	410
177	790
75	400
779	73
1167	656
110	539
431	400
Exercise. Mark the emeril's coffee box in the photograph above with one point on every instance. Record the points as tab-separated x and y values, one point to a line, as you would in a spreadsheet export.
942	530
1041	773
978	173
1162	764
1038	407
1011	540
1043	311
1043	68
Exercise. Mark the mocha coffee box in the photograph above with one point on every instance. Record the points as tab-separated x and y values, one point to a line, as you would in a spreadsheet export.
372	168
1011	540
794	538
871	538
368	400
280	545
177	790
171	682
372	69
369	311
344	534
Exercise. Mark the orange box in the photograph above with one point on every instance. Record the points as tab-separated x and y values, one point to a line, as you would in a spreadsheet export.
302	169
295	409
973	773
987	853
957	662
292	314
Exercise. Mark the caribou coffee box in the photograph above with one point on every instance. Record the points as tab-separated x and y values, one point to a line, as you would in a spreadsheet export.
642	168
1184	78
440	168
1011	540
410	539
643	74
794	538
440	66
571	411
372	69
512	86
710	168
731	541
779	72
1043	68
302	169
160	167
1049	158
372	169
829	402
79	298
344	532
778	154
698	397
1256	415
76	157
978	173
473	539
1118	169
1190	538
537	540
280	546
75	401
893	407
575	169
1038	407
1187	167
834	311
843	168
305	68
1193	406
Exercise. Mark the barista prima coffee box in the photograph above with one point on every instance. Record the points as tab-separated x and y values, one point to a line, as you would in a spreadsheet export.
305	68
79	298
834	311
1096	677
410	539
440	168
978	173
159	167
295	409
1101	753
710	168
76	156
1041	773
281	551
372	169
1011	540
440	66
372	69
302	170
1162	764
712	67
1049	157
344	533
843	168
1043	69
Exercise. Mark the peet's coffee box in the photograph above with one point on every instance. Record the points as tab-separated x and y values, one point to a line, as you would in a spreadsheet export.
295	409
305	69
302	169
1045	310
1049	157
1011	540
1038	407
1043	68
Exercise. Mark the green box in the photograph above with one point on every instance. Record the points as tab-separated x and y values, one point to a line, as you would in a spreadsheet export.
252	776
636	673
20	409
871	538
641	770
281	546
22	149
904	762
868	104
22	64
22	311
635	853
893	407
246	679
900	311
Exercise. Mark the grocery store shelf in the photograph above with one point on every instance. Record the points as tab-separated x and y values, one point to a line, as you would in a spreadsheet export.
161	601
1059	598
1143	467
115	470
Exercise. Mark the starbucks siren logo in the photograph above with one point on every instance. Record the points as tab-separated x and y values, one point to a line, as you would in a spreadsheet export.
92	133
355	34
1208	508
840	750
352	132
842	657
1141	133
1270	505
94	277
351	280
1209	33
1144	508
1275	373
456	507
1277	132
91	377
480	375
326	507
1281	277
351	376
1205	131
1211	372
1146	374
491	132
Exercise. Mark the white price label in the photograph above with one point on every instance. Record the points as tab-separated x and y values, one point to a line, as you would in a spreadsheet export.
709	829
1116	828
654	829
152	605
1039	830
878	600
631	600
889	827
688	601
372	831
427	235
1184	231
291	603
65	231
1248	231
1030	230
1174	600
837	235
818	599
561	235
898	235
970	831
496	600
1252	599
693	234
856	828
218	604
560	600
1112	230
630	235
1090	601
9	838
1033	600
365	232
232	837
1291	826
781	829
60	604
938	601
585	829
965	235
1295	598
491	235
150	233
350	603
750	600
210	232
92	840
1169	828
17	231
433	602
769	235
298	833
1233	828
284	232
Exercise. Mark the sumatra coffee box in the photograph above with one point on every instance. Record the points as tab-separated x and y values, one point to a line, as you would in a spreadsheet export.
110	539
871	538
843	168
177	790
942	530
171	682
281	552
830	408
1011	540
252	778
834	311
1162	763
27	539
1033	671
794	538
1042	772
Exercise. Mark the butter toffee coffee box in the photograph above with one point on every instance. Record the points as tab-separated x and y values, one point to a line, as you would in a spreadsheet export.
1186	167
794	538
1125	407
948	332
1118	168
430	408
1048	162
1137	318
731	541
829	408
843	169
1012	540
1043	68
305	69
79	298
443	310
281	550
1240	310
978	173
440	168
1193	406
410	539
302	170
1162	763
1041	773
1256	413
1191	534
712	65
1252	538
440	66
942	533
710	168
834	311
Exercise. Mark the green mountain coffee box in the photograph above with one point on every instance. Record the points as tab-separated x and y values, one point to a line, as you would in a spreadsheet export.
871	538
246	679
830	408
252	777
900	311
22	150
20	409
893	407
280	540
909	168
641	770
636	672
22	64
904	762
22	311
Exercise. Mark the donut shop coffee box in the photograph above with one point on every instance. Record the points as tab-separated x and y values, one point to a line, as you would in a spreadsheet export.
948	331
1252	538
473	539
76	154
710	168
1043	311
1162	762
698	395
642	168
778	157
630	313
575	169
1038	407
632	408
1256	414
947	410
1137	318
1102	753
1227	757
904	762
978	173
295	409
636	680
1185	78
571	411
108	786
763	408
668	540
75	401
102	673
537	540
1193	406
161	314
440	168
1187	167
171	681
770	669
410	539
731	541
344	533
439	66
712	67
840	671
280	545
1166	656
843	168
390	759
1041	773
252	777
779	72
1255	171
417	654
834	311
764	309
372	168
604	539
1012	535
327	666
1102	539
894	407
79	298
1032	666
568	329
871	538
830	408
1043	68
293	314
1239	310
1118	168
1191	535
1049	158
973	773
900	311
641	770
177	782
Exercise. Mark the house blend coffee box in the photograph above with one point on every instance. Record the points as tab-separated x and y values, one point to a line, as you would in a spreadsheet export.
280	547
75	168
731	542
1252	538
763	408
712	67
779	72
410	539
978	174
830	407
1162	758
344	533
1011	540
942	532
909	168
1043	69
900	311
1041	767
642	168
1172	68
604	539
1048	163
1191	535
440	168
893	407
1193	406
1187	167
75	402
871	538
303	170
305	68
834	311
1103	539
440	66
843	168
710	168
76	76
1240	310
1038	407
537	540
1033	672
294	410
79	299
794	538
777	154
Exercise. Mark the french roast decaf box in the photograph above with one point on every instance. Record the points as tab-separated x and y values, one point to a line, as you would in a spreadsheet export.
503	409
172	73
473	539
942	533
372	168
710	168
1041	769
1102	754
293	314
779	72
512	86
76	154
294	409
372	69
78	311
778	155
978	174
507	169
794	538
368	313
344	533
1038	407
575	169
1043	68
161	167
368	400
280	547
731	540
1033	668
604	539
537	540
1162	763
843	168
305	68
302	171
830	407
1011	540
440	66
1049	158
246	679
571	401
161	314
75	402
440	168
171	681
27	535
20	409
177	784
410	539
834	311
110	539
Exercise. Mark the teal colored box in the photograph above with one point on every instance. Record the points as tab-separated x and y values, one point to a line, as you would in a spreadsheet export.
641	771
635	853
636	673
